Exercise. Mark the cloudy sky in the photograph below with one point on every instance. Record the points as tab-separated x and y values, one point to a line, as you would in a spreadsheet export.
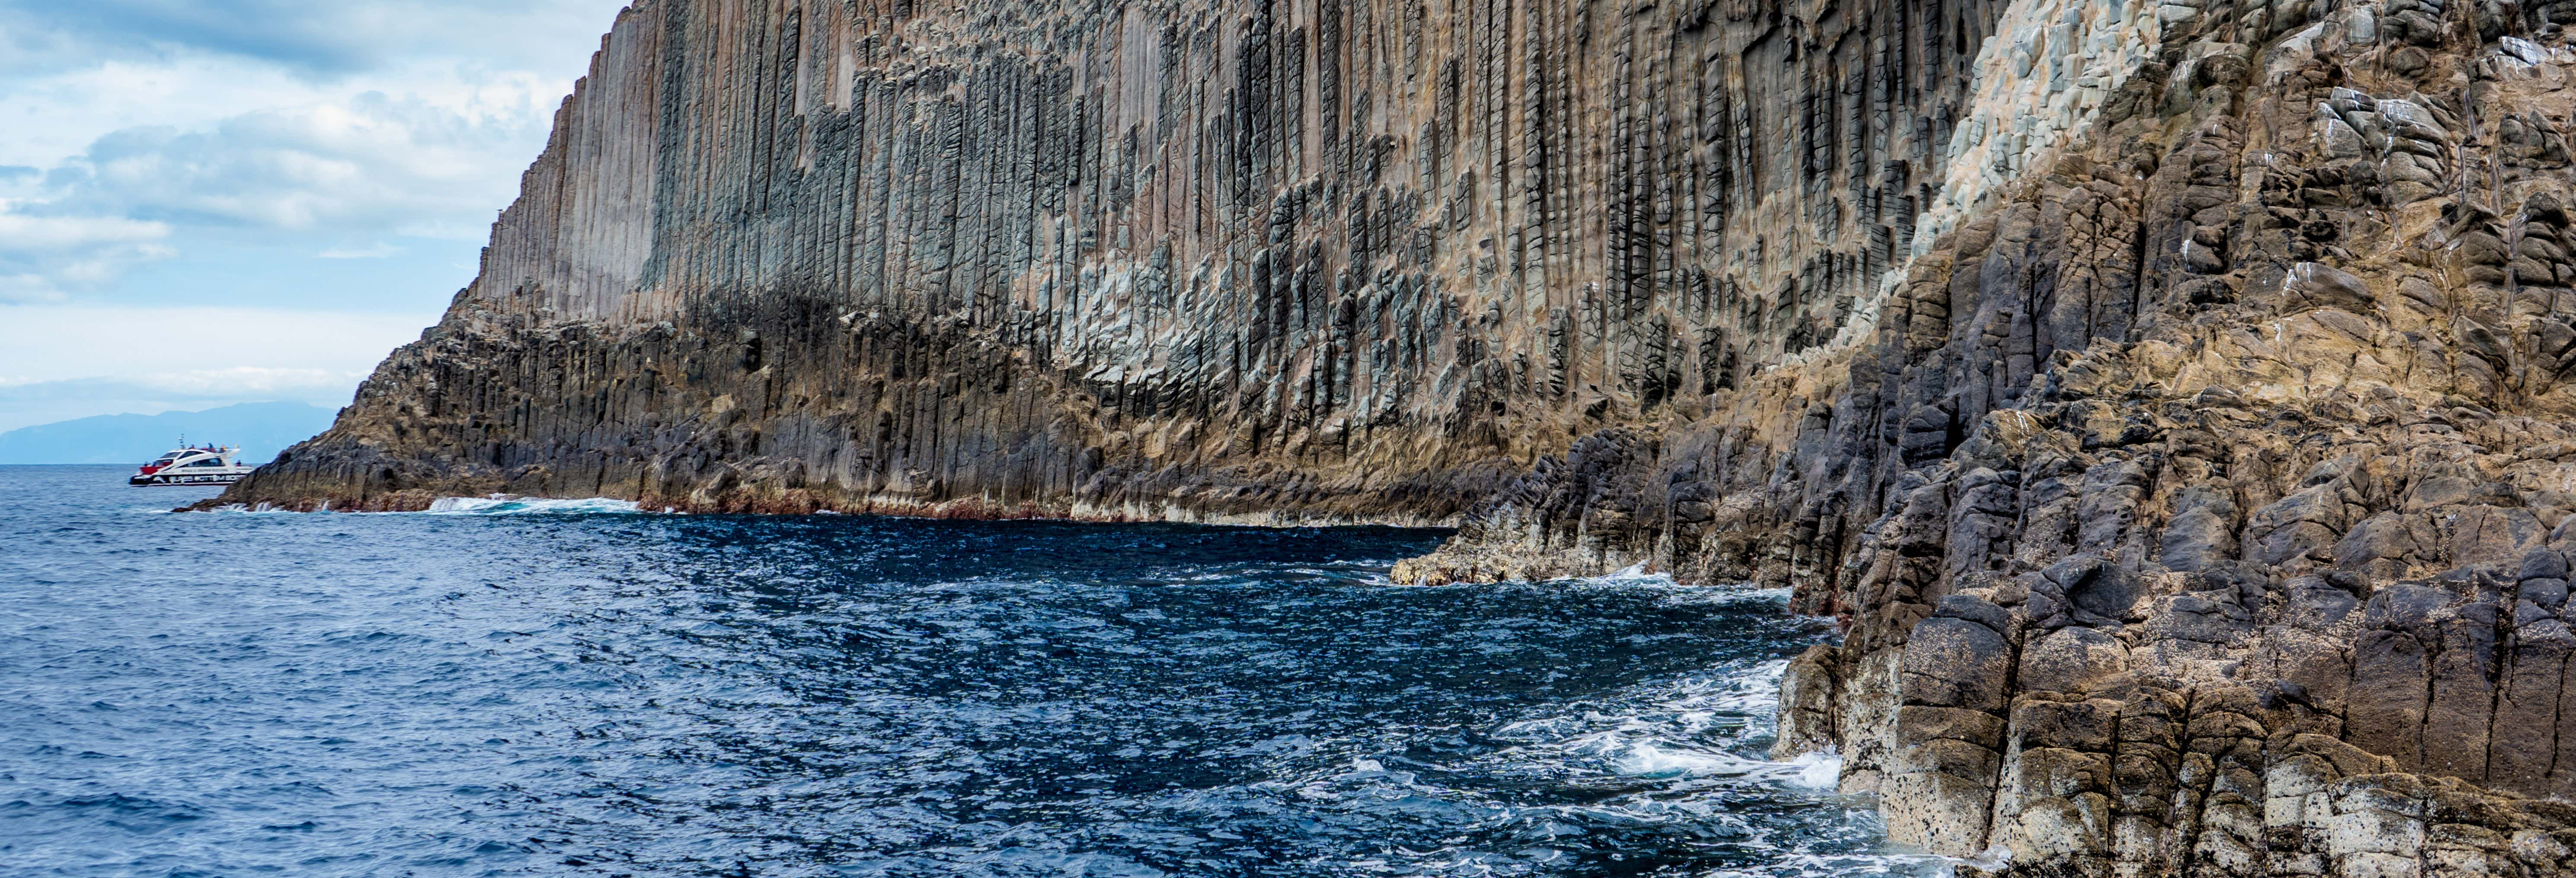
214	201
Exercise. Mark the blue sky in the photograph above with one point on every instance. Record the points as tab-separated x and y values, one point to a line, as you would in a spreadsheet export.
214	201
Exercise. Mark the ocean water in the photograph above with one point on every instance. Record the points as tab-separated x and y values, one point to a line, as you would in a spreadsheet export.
574	688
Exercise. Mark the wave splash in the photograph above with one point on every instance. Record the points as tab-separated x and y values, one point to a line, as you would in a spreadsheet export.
1703	739
1669	775
893	697
504	504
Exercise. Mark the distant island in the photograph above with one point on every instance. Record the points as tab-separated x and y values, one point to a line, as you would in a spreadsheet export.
262	429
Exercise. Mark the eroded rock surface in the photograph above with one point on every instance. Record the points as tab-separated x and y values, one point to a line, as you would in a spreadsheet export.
2198	506
1238	261
2176	401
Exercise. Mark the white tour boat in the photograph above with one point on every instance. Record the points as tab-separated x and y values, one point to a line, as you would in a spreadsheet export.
192	465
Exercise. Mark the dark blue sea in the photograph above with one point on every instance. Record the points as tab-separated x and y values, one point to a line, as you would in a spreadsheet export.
575	688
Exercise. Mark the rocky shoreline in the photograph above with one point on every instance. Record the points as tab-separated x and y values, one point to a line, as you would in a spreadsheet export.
2170	399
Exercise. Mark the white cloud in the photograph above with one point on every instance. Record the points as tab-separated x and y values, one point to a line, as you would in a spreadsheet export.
55	232
184	134
62	342
59	361
313	38
28	286
255	381
368	165
268	121
102	89
43	258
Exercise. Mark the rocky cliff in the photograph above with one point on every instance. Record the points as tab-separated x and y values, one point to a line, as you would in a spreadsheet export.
2199	505
2170	399
1232	260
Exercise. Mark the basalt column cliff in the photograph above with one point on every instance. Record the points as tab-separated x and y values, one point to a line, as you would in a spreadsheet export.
1233	261
2171	397
2200	504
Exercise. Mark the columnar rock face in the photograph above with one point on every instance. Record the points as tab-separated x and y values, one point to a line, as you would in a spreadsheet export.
1269	260
2200	503
2171	398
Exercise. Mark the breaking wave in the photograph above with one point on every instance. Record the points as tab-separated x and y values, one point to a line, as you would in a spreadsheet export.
505	686
500	504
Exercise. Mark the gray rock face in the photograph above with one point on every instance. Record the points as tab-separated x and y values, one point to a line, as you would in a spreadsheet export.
2197	507
1209	260
2171	398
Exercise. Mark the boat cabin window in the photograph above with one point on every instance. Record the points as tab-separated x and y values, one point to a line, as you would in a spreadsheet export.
211	461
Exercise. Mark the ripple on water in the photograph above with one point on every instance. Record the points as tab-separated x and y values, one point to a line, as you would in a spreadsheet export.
506	686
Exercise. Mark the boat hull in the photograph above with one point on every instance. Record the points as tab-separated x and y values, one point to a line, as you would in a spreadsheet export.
157	480
191	466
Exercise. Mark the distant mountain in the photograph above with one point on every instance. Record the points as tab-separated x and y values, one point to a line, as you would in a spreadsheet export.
262	429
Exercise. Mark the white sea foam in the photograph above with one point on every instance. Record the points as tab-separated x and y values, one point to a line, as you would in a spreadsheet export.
250	509
1774	595
1635	573
496	504
1818	771
1702	734
504	504
1694	728
1651	758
